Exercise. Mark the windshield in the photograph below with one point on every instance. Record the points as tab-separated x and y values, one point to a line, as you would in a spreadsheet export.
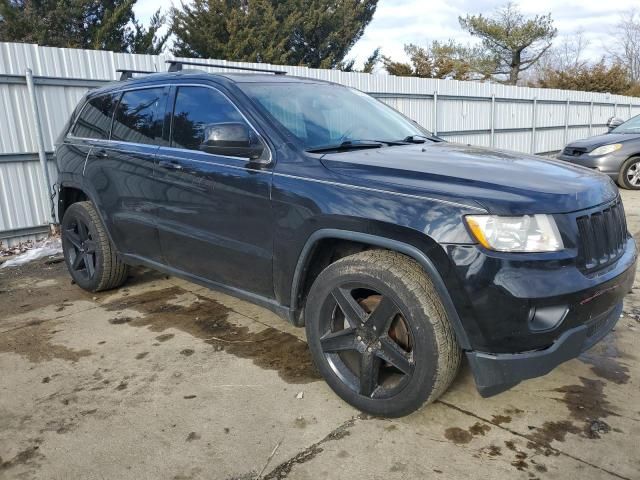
323	115
630	126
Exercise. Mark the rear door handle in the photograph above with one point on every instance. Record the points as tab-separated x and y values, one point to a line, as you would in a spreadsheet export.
169	165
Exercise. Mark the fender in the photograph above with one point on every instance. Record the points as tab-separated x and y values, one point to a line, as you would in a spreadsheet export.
77	186
389	244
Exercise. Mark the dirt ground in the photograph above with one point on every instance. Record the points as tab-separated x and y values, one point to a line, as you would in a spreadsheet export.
164	379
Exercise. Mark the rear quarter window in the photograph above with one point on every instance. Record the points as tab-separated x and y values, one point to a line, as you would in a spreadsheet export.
95	118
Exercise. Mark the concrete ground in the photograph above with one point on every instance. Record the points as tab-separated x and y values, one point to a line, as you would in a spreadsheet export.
163	379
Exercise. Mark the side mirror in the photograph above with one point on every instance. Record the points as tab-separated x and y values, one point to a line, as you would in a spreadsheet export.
233	140
613	122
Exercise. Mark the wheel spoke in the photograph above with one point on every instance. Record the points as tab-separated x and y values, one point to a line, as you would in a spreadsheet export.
369	372
83	233
353	313
90	246
73	238
338	341
77	261
391	353
381	318
88	263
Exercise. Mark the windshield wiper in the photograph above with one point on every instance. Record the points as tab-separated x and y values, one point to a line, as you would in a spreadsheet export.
348	145
421	139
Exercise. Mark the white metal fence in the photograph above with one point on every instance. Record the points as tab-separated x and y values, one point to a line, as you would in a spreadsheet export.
528	120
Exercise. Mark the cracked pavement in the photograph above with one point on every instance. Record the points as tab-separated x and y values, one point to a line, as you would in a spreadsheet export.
164	379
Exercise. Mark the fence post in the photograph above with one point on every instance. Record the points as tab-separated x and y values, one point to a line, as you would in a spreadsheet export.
591	118
566	121
42	154
534	121
435	112
630	110
493	119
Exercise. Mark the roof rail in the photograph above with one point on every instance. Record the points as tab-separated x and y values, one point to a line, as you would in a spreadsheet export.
176	66
126	74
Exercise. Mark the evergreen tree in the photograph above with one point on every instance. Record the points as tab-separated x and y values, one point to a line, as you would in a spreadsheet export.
149	40
512	42
315	33
449	60
103	25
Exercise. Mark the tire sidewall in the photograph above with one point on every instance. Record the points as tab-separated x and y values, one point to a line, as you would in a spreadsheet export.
622	180
79	211
422	383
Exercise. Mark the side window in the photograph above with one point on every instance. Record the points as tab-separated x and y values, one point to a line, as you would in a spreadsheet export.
136	119
197	111
95	119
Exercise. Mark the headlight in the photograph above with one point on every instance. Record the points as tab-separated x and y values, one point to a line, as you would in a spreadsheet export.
529	233
603	150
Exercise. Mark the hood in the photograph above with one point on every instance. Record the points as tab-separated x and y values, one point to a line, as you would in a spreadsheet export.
505	183
606	139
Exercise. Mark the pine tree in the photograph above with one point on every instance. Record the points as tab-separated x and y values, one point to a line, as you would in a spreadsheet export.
315	33
103	25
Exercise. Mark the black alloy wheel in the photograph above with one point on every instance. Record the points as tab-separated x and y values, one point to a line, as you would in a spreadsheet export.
81	248
367	342
379	333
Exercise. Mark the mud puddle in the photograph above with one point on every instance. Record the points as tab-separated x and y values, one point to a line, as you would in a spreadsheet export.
460	436
206	319
34	342
587	404
604	359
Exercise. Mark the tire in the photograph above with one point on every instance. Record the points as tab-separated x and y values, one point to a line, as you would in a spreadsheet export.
626	178
90	257
412	356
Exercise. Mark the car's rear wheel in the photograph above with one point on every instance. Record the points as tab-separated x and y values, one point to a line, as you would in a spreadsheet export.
630	174
91	259
379	333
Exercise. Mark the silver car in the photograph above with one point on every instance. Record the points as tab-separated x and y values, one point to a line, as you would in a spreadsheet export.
616	153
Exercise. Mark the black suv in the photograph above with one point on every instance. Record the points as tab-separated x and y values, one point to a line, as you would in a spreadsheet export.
396	250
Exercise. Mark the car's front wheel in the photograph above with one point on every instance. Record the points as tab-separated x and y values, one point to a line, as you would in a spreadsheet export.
91	259
630	174
379	333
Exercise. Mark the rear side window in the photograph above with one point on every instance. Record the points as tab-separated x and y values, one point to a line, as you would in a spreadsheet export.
197	108
95	118
138	118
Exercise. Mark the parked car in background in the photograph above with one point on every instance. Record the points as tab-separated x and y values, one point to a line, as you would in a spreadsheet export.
616	153
398	252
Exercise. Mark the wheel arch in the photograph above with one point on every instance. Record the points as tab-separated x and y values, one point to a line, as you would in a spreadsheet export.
374	241
623	165
70	193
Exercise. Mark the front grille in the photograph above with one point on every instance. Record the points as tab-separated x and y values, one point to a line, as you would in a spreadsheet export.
602	237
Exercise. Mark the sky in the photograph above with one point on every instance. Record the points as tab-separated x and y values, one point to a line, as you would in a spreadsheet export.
398	22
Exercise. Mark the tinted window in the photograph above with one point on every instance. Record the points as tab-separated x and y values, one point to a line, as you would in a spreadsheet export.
197	108
136	120
95	118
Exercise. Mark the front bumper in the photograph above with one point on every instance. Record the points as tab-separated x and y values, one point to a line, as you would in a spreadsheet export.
608	164
497	372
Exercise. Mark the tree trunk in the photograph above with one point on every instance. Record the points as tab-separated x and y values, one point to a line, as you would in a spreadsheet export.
514	69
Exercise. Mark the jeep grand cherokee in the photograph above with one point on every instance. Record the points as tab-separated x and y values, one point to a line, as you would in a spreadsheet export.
398	252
